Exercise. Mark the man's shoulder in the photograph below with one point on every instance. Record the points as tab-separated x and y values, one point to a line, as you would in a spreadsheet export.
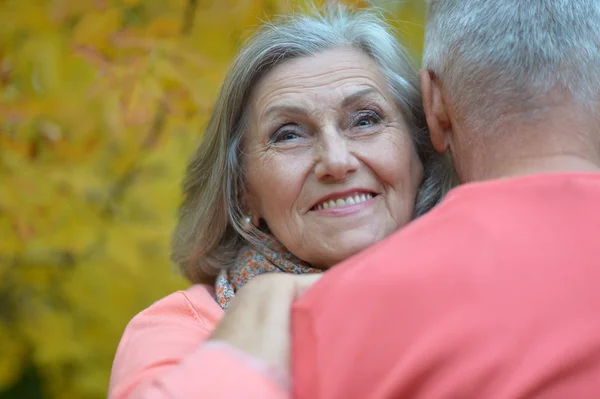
454	282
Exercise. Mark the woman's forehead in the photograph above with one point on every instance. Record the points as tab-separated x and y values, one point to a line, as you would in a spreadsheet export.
340	75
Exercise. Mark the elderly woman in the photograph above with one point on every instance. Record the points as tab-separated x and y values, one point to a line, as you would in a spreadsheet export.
316	149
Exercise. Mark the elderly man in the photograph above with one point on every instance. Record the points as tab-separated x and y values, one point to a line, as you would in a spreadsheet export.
495	293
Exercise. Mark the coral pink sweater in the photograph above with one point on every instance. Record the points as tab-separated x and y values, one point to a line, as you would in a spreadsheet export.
164	354
494	294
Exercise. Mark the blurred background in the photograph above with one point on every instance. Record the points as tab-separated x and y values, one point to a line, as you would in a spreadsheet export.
101	104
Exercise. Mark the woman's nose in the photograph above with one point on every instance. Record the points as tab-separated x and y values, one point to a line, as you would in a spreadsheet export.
335	161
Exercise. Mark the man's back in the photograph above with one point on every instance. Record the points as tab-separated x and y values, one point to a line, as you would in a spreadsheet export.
494	294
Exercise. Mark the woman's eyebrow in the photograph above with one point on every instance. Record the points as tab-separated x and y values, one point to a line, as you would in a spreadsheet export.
359	95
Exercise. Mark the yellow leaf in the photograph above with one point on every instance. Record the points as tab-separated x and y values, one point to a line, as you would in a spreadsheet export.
96	28
164	26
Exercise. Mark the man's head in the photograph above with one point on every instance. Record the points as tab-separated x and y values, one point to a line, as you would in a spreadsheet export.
497	66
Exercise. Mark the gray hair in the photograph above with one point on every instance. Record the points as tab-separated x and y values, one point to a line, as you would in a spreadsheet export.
507	57
210	230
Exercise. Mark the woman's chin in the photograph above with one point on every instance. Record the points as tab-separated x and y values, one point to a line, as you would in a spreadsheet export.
343	251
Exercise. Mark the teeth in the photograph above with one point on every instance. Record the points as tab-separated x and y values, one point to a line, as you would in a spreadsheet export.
351	200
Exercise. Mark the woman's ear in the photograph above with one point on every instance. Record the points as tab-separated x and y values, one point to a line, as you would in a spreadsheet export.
436	111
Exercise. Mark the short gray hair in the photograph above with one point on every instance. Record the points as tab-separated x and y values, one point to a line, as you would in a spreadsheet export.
500	57
210	230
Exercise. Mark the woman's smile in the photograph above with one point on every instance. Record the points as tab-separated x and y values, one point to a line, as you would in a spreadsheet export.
344	203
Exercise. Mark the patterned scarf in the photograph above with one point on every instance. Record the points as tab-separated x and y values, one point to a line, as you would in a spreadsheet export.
252	261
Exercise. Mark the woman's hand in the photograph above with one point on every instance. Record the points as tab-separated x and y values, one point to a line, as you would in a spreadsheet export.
257	321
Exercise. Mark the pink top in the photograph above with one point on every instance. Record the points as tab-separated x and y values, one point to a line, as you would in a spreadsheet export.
494	294
164	354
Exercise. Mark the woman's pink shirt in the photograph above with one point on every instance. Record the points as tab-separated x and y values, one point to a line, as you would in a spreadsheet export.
164	353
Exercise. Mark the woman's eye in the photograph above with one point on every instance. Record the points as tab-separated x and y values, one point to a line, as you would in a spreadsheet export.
366	119
284	135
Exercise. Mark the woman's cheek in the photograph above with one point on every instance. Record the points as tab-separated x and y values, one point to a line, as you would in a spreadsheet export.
280	187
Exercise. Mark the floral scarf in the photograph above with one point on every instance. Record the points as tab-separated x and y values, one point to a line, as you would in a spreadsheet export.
252	261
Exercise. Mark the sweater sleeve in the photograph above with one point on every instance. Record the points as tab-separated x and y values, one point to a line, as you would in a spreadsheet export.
164	354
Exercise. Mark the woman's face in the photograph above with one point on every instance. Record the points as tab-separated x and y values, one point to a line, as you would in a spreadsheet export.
329	162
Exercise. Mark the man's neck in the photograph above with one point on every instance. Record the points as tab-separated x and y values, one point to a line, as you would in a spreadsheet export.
533	152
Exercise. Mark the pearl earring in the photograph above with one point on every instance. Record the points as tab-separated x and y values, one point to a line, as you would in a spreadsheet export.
247	225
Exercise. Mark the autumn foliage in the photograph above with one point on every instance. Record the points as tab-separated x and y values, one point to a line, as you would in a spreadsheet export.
101	104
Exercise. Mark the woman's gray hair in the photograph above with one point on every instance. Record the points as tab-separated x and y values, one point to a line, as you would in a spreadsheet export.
210	230
505	57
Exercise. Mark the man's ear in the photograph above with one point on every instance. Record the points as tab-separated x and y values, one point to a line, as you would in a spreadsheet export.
436	112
